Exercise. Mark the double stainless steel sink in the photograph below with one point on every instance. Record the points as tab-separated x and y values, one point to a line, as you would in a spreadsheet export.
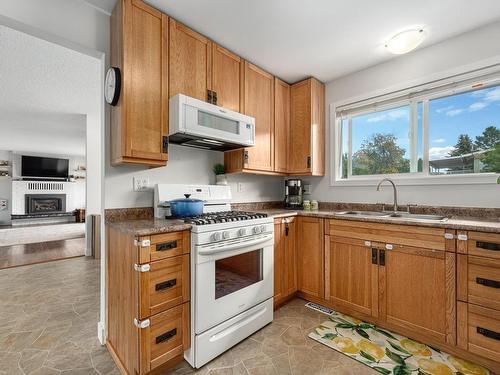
394	215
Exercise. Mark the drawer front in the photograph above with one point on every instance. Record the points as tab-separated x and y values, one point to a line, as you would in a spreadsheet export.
483	282
484	332
407	235
164	246
484	244
165	285
166	338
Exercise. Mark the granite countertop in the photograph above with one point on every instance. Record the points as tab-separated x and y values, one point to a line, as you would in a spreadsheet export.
454	222
146	227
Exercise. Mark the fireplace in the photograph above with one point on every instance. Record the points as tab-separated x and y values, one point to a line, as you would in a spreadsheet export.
38	204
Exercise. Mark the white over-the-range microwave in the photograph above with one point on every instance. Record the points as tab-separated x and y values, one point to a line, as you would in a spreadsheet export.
196	123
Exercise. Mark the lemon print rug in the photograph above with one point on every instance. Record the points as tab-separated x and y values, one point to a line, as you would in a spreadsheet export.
387	352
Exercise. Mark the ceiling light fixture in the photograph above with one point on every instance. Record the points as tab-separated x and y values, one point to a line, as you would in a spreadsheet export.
405	41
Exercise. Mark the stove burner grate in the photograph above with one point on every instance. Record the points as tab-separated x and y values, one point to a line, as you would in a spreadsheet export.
223	217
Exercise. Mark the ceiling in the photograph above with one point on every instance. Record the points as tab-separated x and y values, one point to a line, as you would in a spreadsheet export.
323	38
47	92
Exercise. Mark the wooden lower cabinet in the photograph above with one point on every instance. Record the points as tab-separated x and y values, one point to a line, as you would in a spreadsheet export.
417	291
310	257
285	259
148	293
351	279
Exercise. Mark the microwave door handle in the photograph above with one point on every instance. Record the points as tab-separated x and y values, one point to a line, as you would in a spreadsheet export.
235	246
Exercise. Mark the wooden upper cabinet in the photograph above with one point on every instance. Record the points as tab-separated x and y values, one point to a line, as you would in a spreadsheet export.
351	279
190	62
227	70
139	48
281	125
258	102
307	129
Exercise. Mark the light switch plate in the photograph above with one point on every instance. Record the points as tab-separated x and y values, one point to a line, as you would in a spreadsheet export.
141	183
240	187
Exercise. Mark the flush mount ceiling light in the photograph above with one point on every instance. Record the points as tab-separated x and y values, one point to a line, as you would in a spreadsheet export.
405	41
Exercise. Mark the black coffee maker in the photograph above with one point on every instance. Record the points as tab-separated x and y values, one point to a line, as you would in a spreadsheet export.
293	194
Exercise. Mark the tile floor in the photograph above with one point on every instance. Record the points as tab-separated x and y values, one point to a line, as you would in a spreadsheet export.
282	347
49	314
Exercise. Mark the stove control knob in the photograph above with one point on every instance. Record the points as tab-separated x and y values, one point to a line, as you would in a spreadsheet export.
242	232
216	236
256	230
262	229
226	235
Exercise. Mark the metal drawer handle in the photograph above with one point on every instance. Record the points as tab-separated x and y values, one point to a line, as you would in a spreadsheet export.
166	246
374	256
166	336
488	333
488	283
488	245
166	284
382	257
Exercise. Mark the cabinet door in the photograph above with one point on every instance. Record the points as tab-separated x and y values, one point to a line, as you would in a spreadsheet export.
351	277
418	291
279	262
226	78
310	260
307	128
281	125
300	132
139	121
290	256
190	62
259	103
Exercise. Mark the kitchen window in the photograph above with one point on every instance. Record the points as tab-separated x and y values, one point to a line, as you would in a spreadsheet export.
445	131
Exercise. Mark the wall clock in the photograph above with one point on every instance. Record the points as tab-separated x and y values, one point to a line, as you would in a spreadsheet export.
113	85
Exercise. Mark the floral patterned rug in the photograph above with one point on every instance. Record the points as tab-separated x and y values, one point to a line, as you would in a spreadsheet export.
388	352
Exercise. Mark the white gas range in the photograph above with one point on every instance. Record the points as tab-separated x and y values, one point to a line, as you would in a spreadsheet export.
231	270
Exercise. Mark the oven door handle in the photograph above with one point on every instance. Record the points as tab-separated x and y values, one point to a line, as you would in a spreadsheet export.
235	246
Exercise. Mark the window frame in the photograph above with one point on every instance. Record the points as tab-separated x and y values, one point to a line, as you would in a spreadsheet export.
411	178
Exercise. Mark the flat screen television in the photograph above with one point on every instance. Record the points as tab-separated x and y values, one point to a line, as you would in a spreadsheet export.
34	166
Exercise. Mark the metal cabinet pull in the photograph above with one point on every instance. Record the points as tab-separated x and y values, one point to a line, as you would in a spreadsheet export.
166	336
488	283
287	228
382	257
488	245
488	333
166	246
166	284
374	256
308	162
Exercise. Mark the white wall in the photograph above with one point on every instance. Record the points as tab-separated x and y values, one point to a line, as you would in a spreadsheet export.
443	58
186	165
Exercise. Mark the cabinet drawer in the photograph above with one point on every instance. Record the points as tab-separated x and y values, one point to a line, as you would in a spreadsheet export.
166	338
484	244
407	235
483	282
164	245
165	285
482	332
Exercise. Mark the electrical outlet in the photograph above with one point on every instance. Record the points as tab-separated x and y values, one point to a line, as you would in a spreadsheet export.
307	189
240	187
141	183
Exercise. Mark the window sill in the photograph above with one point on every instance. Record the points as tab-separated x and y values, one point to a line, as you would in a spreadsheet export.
469	179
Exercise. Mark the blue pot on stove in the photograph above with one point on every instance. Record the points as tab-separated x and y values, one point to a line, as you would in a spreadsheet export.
184	207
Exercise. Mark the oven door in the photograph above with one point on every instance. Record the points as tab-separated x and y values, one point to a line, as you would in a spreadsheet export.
231	277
